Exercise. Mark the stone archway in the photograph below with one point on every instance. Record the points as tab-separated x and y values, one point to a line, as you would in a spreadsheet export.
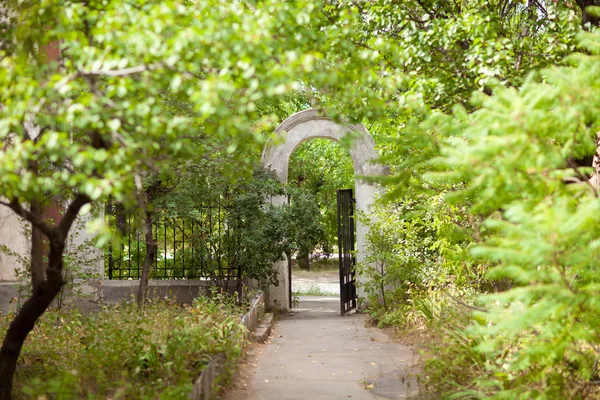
311	124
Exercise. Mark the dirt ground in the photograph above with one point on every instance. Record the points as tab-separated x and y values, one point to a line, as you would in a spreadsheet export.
320	271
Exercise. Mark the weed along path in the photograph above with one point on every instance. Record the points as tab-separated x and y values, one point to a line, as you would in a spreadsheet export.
315	354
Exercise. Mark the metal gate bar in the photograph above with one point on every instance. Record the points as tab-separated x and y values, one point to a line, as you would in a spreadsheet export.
345	203
191	247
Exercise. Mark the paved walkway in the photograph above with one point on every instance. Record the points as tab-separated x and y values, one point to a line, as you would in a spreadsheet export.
315	354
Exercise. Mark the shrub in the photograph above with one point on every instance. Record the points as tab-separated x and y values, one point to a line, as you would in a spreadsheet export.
120	352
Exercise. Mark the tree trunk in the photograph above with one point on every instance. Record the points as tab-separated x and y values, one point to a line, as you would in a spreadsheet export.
43	293
382	286
37	249
595	178
304	261
585	16
151	248
239	290
25	319
239	287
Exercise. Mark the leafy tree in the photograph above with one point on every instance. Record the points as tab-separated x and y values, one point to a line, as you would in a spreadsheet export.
321	167
513	161
540	337
141	84
255	233
99	121
415	246
589	18
443	50
305	227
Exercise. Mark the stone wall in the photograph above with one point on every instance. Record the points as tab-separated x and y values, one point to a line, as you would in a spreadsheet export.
13	236
111	292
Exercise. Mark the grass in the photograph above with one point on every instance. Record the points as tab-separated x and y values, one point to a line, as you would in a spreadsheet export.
122	353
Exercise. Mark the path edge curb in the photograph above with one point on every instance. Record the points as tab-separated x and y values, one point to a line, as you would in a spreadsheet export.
262	331
204	385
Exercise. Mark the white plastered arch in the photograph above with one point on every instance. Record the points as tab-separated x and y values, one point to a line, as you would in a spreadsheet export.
311	124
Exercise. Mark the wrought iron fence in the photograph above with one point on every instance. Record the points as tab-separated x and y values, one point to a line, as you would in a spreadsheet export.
204	246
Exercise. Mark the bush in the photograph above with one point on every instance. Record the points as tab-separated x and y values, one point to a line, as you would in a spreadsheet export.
120	352
513	163
414	248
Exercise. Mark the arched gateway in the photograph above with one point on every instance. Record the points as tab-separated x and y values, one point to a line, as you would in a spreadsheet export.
311	124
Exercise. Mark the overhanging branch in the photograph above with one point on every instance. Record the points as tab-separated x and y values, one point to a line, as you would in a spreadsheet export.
31	217
72	212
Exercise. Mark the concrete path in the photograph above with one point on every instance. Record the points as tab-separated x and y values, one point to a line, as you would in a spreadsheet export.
316	354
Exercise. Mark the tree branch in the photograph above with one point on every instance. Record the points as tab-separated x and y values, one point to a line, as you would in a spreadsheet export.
29	216
72	212
465	304
426	9
118	72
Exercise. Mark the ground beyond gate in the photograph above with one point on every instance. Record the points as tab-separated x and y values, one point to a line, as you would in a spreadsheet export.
346	229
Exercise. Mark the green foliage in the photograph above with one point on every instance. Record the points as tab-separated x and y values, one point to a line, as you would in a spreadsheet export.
413	247
452	360
444	51
321	167
512	163
118	352
141	86
295	300
541	336
391	264
235	224
262	238
146	92
303	223
496	185
249	232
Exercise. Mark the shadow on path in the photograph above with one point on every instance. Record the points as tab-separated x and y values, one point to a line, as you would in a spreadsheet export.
314	353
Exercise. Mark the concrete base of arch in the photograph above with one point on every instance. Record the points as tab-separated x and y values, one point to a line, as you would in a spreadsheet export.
292	132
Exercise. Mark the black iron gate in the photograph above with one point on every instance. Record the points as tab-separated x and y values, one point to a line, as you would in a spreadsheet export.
345	203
